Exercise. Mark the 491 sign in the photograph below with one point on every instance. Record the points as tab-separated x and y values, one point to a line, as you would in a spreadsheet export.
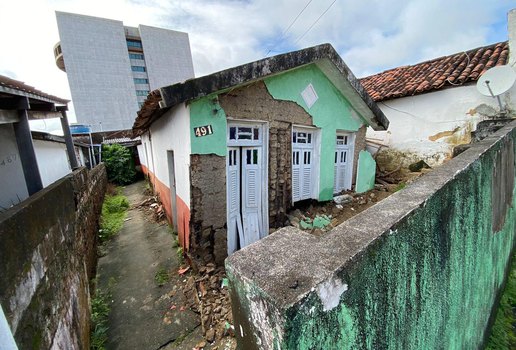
203	130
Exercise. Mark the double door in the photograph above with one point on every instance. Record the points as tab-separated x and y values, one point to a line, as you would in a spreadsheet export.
245	190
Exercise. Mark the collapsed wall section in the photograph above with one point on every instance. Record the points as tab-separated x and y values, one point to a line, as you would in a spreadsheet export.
420	269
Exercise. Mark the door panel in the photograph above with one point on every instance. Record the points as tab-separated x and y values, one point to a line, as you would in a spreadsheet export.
303	145
235	231
251	193
343	162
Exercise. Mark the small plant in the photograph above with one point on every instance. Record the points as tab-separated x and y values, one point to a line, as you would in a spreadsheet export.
99	319
119	164
113	214
161	277
400	186
180	255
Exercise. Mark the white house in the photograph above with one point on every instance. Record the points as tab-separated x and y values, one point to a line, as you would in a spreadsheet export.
434	106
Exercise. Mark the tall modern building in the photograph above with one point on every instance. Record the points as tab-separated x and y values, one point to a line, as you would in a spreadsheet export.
111	67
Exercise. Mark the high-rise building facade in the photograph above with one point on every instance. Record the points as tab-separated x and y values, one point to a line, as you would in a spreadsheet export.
111	67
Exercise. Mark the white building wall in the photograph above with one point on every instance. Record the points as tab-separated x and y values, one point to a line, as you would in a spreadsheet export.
172	132
416	121
141	154
52	160
98	69
12	181
167	56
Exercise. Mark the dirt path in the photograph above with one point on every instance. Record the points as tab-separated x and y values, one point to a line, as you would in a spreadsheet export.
143	314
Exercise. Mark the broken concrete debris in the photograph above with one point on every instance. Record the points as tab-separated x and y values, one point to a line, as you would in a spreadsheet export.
343	199
208	296
417	166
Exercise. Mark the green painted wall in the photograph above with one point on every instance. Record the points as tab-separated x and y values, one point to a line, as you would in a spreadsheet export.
207	111
366	172
431	284
289	86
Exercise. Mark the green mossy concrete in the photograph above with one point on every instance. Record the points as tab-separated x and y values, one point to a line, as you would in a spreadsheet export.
366	172
207	111
430	284
331	112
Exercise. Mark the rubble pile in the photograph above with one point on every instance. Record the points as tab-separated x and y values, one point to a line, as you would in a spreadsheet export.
318	218
153	207
208	295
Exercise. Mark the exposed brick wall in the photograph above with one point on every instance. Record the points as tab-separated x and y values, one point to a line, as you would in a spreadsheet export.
48	252
254	102
208	199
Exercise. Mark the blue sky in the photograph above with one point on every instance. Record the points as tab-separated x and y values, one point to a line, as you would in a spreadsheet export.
370	35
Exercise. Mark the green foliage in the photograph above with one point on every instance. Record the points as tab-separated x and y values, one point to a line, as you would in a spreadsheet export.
503	333
161	277
99	319
400	186
119	164
114	210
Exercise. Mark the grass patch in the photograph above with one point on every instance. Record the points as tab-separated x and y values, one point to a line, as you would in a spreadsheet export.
114	210
100	309
161	277
400	186
503	333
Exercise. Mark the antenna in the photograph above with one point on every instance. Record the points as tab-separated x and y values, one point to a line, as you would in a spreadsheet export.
496	81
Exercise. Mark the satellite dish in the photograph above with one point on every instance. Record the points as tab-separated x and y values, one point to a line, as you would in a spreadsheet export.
496	81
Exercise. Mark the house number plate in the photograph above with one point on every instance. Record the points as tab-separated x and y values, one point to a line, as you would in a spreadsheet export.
203	130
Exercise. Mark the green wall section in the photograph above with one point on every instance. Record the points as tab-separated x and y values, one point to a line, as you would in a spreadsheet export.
331	112
207	111
366	172
431	284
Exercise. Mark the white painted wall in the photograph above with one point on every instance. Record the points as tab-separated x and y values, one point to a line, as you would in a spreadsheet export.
141	154
414	119
52	159
12	182
172	132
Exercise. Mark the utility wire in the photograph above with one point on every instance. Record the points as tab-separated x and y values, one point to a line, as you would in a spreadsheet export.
290	25
317	20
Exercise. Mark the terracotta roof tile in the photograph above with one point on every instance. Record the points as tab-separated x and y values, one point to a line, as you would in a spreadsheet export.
456	69
22	87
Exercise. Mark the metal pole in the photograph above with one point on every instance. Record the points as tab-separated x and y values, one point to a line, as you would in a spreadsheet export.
26	149
68	140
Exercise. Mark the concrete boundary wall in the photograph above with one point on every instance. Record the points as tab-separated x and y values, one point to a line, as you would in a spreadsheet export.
48	255
422	269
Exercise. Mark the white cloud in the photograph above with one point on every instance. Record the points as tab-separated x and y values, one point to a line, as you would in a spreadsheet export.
370	35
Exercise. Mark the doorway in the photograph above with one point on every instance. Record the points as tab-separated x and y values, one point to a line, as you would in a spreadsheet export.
172	186
246	187
344	151
304	163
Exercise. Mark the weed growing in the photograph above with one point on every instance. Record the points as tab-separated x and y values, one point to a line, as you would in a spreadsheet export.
114	210
161	277
400	186
503	333
99	319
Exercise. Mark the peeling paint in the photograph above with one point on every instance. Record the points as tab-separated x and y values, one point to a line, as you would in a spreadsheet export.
330	291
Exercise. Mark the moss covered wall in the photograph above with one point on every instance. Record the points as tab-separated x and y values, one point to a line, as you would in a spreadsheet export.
48	255
420	270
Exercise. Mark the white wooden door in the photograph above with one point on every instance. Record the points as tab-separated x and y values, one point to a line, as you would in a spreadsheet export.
246	188
251	194
343	162
302	164
235	230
